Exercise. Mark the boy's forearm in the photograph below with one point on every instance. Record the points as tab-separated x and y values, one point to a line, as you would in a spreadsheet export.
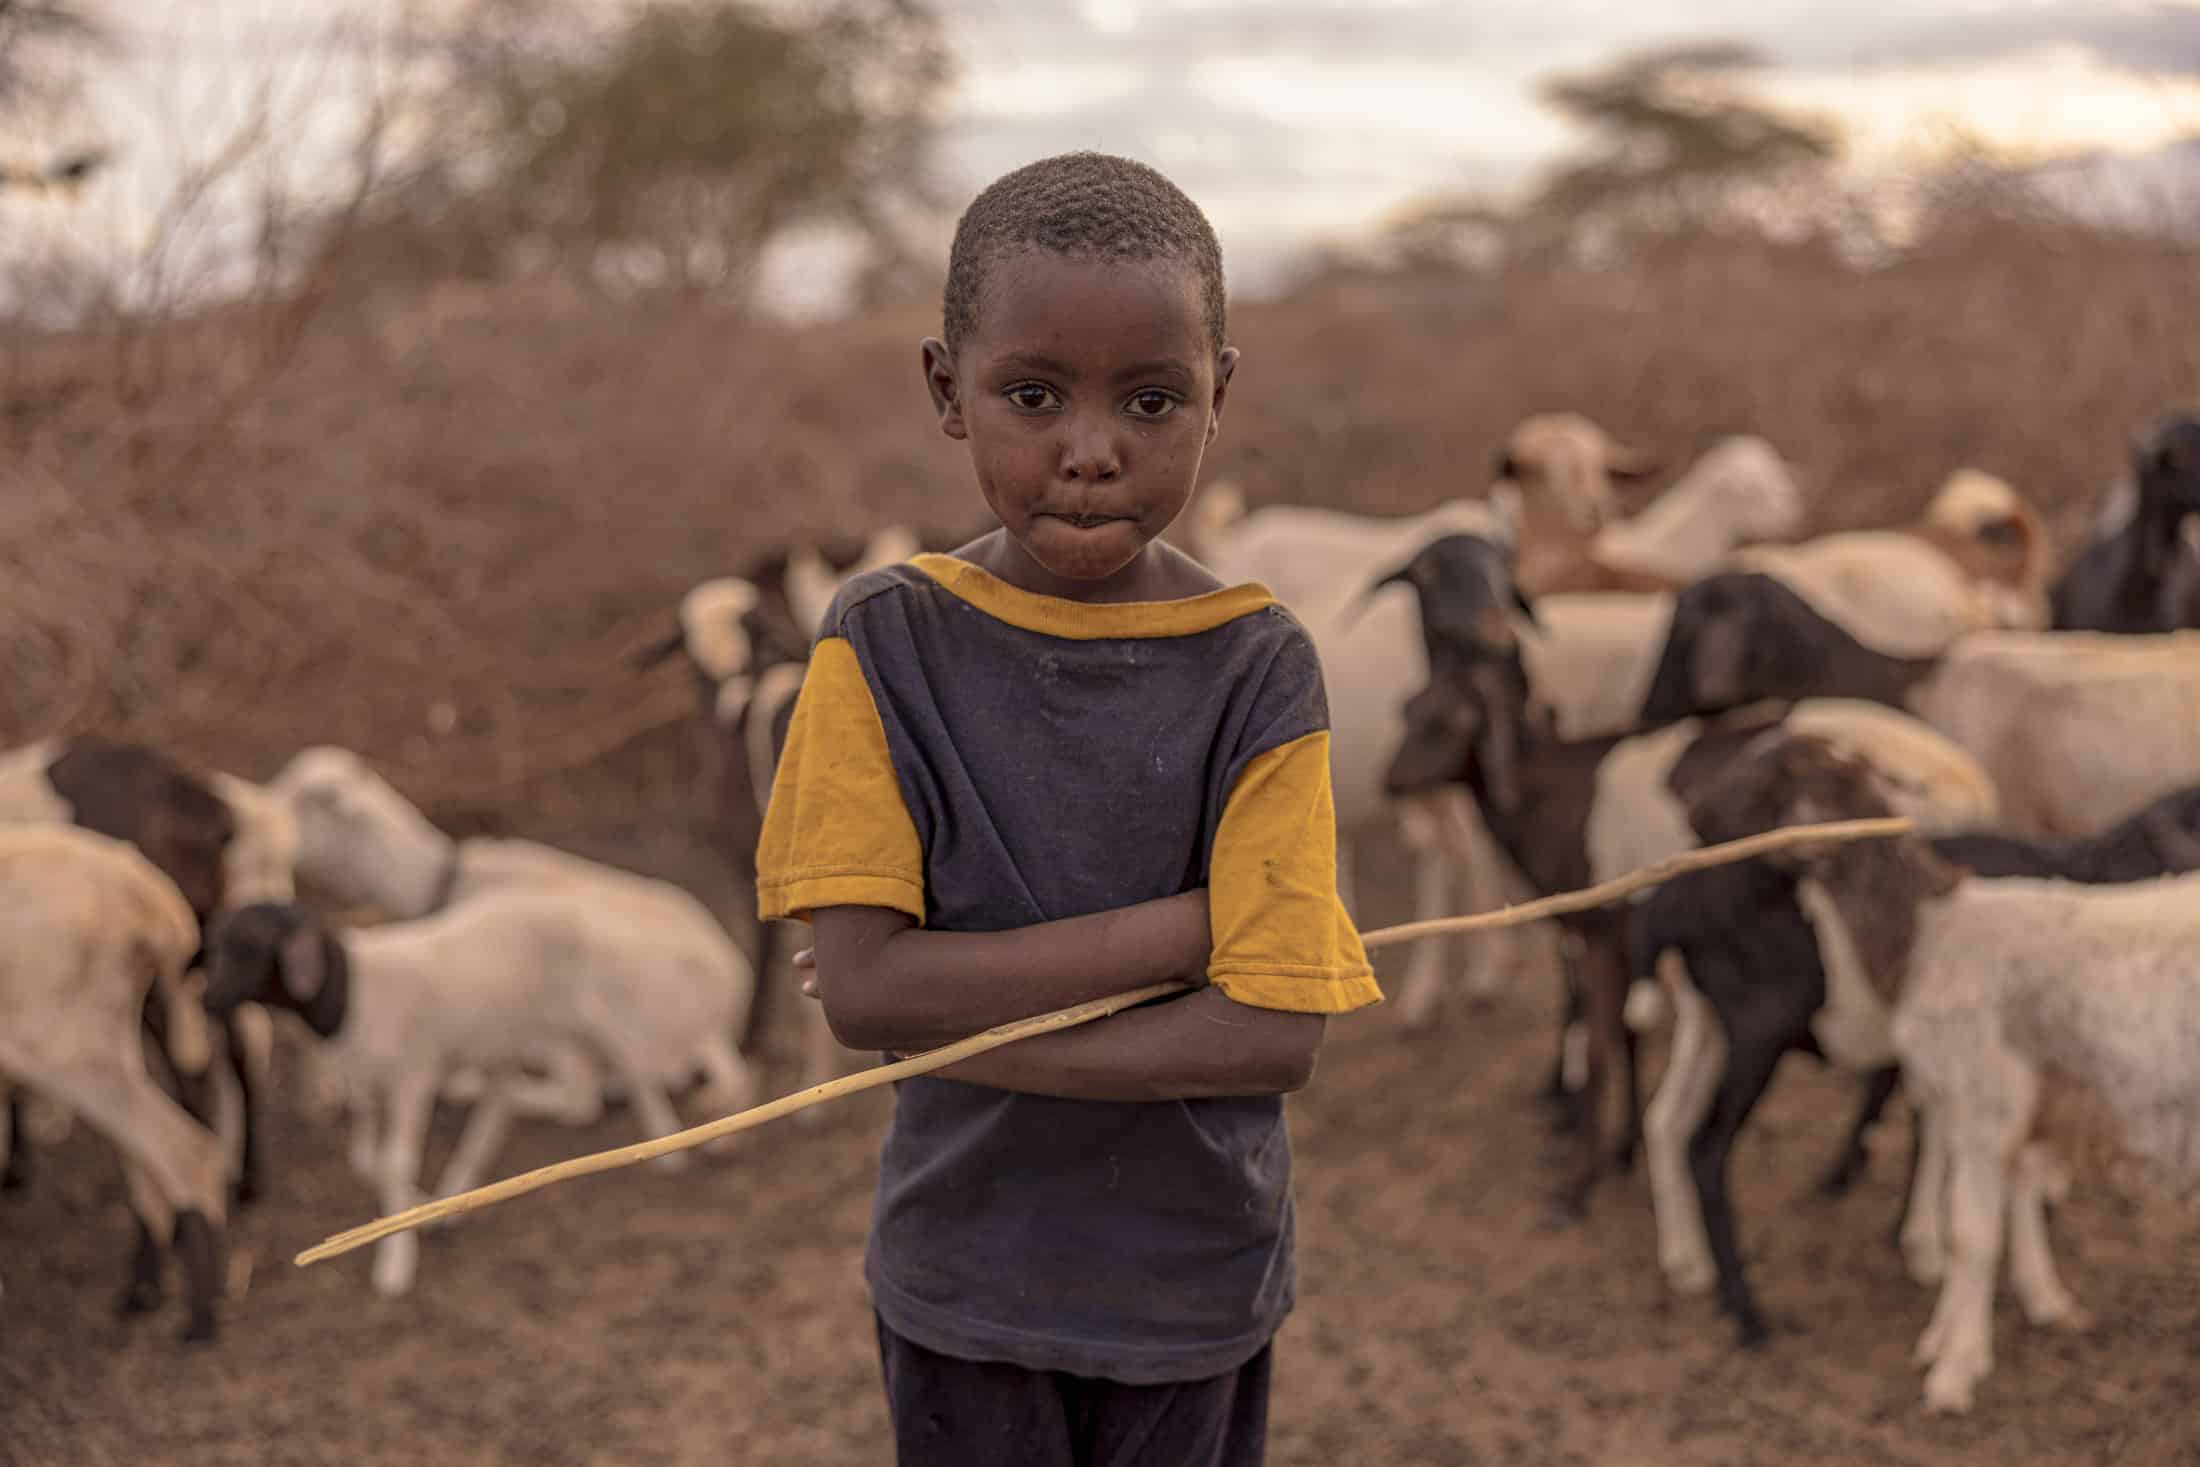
887	984
1200	1046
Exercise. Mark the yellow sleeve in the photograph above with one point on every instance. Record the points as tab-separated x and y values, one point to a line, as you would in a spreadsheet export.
1282	939
835	830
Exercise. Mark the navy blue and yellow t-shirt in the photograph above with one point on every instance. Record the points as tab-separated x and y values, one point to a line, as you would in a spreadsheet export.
981	758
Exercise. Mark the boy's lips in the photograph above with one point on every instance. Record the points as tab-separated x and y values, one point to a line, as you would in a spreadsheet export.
1084	521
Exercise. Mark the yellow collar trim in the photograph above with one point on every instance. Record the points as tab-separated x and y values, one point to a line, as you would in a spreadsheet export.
1090	621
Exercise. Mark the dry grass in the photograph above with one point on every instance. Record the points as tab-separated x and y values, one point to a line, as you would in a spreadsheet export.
434	531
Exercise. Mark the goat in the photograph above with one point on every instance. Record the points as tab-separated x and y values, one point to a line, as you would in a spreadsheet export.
487	983
218	839
367	845
1753	987
1972	562
1593	657
2078	729
1572	811
1739	492
2142	542
748	639
93	931
2033	1020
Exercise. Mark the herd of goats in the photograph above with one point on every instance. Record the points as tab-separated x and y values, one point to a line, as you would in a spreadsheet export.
1530	690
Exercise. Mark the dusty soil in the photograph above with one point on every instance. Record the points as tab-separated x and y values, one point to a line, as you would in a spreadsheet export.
719	1317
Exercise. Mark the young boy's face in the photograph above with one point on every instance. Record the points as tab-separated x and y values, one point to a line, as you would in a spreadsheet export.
1088	391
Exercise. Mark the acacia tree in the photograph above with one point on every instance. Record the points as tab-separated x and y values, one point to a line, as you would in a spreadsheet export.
1677	143
673	145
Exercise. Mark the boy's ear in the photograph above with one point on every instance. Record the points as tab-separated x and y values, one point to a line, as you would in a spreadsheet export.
946	389
1226	362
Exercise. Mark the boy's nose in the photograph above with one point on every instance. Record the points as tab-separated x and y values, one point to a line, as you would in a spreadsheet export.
1091	457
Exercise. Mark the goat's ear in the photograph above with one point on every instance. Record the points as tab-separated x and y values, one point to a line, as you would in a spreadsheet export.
1438	745
304	964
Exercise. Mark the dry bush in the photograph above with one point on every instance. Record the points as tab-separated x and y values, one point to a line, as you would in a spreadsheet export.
438	532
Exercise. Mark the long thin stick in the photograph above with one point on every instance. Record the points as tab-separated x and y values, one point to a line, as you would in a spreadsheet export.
603	1161
1603	894
1832	832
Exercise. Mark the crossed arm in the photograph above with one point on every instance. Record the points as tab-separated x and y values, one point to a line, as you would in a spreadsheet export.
888	984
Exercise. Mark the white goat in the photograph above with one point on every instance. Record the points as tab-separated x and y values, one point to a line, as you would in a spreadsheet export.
2027	1000
489	983
367	845
2032	1018
2080	729
90	927
177	816
1740	492
1973	562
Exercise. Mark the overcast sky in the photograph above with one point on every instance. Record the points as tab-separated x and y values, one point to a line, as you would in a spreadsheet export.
1294	120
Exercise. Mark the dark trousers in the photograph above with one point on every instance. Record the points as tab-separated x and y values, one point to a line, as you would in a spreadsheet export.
975	1413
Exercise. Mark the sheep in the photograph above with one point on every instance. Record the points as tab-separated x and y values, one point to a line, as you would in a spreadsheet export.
221	839
367	845
1570	812
2033	1020
1752	987
486	982
93	930
2119	582
2078	729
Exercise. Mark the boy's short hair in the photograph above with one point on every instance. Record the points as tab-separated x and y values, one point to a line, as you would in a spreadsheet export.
1084	203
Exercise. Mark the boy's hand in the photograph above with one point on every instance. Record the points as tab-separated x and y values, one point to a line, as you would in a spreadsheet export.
805	963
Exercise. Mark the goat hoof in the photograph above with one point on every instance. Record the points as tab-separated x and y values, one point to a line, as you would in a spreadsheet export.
143	1296
1691	1277
1750	1334
199	1332
15	1181
2064	1314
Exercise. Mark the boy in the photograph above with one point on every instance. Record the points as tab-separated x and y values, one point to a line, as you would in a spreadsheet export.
1063	762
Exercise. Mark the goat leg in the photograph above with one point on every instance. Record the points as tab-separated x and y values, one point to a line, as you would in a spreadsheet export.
251	1180
1879	1088
15	1173
142	1291
1751	1061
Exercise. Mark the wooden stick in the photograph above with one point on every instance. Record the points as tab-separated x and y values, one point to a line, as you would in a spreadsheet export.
1832	832
1603	894
603	1161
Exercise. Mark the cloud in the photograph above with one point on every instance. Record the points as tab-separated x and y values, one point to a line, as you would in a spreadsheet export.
2158	36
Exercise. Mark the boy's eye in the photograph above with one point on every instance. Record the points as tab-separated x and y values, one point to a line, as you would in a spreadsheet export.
1032	397
1152	403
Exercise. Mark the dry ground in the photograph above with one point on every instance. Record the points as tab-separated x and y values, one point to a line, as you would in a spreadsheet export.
720	1317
